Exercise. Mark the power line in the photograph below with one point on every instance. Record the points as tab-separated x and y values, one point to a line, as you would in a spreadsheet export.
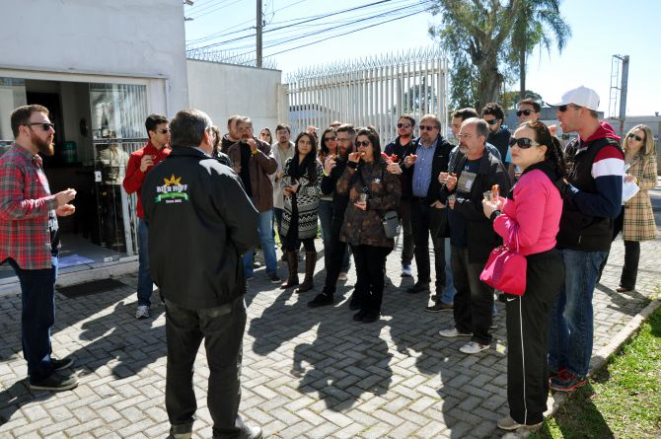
220	6
301	21
230	31
344	31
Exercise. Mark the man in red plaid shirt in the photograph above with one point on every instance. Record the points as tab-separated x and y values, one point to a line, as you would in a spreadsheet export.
29	240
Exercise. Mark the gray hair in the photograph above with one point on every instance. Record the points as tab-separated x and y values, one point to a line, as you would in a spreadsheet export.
188	127
433	118
481	126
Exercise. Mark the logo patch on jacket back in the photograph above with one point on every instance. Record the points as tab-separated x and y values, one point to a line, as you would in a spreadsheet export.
173	191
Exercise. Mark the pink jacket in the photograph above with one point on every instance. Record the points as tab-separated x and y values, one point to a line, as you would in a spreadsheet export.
536	209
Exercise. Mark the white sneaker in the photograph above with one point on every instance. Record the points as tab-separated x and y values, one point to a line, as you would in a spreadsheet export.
452	333
473	347
406	271
343	276
509	424
142	312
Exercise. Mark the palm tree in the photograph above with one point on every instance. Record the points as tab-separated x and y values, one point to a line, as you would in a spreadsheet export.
533	20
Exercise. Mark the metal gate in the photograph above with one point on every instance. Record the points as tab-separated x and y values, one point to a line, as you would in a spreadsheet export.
373	91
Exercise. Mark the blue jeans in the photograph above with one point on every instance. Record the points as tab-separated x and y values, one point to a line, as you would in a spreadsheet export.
572	322
37	317
145	283
449	291
268	246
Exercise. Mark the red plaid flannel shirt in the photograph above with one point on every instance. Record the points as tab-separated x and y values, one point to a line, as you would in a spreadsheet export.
25	202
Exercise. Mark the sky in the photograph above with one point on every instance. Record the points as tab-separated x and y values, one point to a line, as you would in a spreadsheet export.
600	29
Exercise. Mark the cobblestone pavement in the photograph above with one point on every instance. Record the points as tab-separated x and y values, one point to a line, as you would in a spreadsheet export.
306	374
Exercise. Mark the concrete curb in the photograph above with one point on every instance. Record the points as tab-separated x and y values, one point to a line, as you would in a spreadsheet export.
599	360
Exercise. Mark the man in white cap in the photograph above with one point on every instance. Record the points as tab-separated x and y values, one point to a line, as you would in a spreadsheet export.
592	197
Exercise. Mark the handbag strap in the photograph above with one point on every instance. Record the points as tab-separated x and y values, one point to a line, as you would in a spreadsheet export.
513	236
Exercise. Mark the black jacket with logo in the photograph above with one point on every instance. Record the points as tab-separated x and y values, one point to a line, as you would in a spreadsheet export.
479	230
200	223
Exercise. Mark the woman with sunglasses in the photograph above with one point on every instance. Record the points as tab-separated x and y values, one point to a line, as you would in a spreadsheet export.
265	136
636	221
372	191
302	187
327	155
531	212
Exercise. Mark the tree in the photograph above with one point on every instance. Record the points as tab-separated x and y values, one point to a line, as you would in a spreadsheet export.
476	31
510	99
530	28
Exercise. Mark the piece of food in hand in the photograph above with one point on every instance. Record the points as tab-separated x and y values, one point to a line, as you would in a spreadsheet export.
495	192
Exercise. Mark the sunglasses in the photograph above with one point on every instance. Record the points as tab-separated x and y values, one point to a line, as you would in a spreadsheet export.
163	131
523	142
330	139
523	112
44	125
492	121
403	125
364	143
563	108
638	138
427	128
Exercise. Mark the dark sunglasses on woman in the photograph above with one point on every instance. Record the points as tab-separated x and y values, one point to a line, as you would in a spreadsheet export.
364	143
638	138
523	142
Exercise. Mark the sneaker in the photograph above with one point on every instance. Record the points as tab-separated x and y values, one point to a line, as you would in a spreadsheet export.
439	306
55	383
61	364
509	424
406	270
343	276
251	432
566	381
142	312
274	278
256	264
418	288
452	333
473	347
321	300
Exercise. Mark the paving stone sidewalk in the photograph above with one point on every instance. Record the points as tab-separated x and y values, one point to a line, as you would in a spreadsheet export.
306	374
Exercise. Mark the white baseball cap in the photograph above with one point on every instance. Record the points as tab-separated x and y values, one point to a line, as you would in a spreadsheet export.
581	96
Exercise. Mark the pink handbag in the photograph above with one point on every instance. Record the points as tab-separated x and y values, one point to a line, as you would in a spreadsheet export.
506	268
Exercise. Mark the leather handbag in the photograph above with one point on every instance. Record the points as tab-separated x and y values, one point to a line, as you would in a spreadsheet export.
390	221
506	268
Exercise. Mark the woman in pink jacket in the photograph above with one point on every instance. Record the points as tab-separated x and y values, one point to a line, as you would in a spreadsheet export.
532	212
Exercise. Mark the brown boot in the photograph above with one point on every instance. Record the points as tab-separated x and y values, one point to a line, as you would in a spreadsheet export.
310	262
292	262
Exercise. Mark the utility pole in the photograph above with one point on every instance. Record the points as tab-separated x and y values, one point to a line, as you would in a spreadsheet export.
259	33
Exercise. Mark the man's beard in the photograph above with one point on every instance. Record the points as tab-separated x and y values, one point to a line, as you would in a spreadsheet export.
43	146
463	148
344	151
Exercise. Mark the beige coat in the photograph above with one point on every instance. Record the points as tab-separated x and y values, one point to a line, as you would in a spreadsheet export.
639	222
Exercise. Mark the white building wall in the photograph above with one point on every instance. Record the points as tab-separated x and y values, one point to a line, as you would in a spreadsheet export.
222	90
109	37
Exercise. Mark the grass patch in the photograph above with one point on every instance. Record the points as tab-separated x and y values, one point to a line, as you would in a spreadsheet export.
623	400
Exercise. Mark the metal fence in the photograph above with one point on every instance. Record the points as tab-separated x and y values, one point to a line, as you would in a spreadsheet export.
373	91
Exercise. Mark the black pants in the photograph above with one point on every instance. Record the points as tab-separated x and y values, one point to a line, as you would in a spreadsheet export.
222	329
473	303
631	255
427	221
407	231
337	255
370	270
527	323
